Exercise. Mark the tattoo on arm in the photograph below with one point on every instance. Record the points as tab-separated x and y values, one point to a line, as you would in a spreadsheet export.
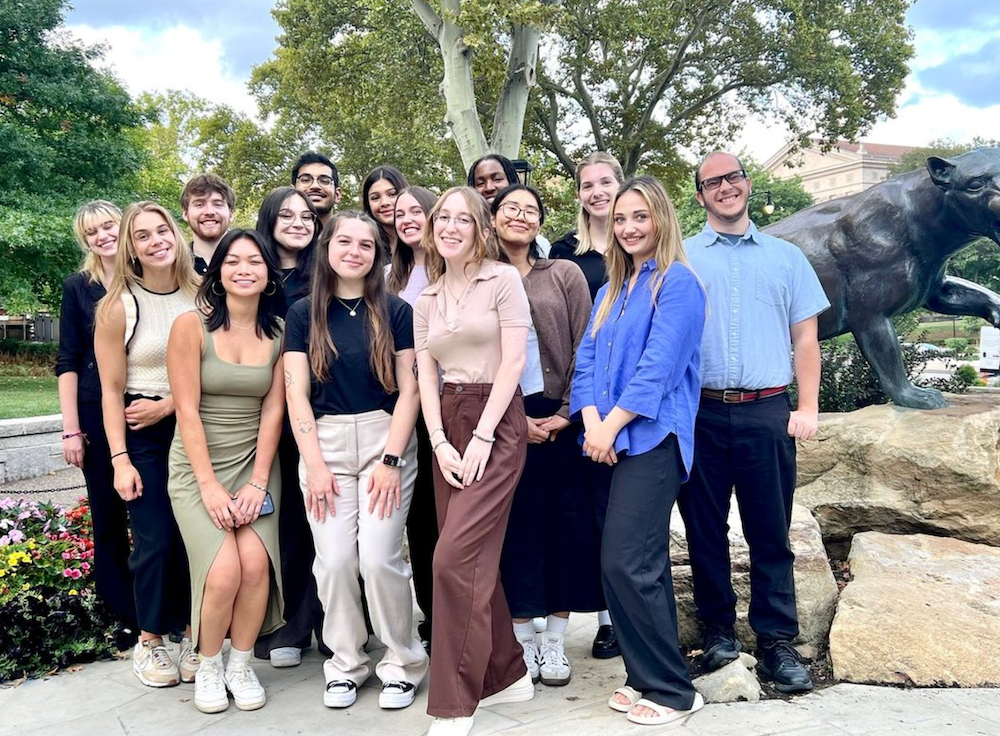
305	427
288	378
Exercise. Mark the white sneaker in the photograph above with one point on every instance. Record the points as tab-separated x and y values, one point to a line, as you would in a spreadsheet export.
540	623
340	694
554	667
286	657
245	687
152	664
188	662
451	726
531	661
396	694
210	689
519	691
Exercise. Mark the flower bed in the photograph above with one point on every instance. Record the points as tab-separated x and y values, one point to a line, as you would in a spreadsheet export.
51	614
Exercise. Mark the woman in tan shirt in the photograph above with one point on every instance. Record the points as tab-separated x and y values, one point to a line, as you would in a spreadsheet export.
471	324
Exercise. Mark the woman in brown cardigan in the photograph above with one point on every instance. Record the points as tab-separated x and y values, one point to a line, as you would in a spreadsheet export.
550	564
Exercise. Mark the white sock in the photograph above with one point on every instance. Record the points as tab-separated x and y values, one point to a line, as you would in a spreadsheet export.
603	618
525	631
215	659
556	625
238	657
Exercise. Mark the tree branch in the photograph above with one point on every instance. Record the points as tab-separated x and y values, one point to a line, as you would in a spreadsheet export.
703	102
550	124
431	20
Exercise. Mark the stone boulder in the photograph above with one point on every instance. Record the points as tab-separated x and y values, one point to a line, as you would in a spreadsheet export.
906	471
920	610
733	683
815	587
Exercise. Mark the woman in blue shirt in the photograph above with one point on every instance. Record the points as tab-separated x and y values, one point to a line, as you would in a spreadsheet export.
636	387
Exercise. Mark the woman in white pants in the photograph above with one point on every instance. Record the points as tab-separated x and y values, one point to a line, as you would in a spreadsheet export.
352	403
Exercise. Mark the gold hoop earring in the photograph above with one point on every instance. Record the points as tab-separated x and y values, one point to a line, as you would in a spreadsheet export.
217	283
273	291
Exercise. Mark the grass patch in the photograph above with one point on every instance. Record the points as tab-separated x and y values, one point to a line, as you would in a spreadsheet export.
28	396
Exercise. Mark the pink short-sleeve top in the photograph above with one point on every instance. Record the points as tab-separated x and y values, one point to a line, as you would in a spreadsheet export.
464	338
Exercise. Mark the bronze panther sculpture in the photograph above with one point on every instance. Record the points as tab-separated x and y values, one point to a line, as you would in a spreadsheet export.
883	252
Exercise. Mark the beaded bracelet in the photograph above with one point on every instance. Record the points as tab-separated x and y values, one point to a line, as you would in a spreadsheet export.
483	439
68	435
259	488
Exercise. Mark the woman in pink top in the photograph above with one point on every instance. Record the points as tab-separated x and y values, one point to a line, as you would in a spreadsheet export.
471	323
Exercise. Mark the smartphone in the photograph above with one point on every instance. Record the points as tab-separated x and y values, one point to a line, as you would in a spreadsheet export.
268	505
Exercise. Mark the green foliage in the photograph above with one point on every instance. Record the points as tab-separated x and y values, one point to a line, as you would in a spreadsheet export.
968	375
958	345
34	353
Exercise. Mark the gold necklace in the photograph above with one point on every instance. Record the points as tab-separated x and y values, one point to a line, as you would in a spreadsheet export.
353	311
241	327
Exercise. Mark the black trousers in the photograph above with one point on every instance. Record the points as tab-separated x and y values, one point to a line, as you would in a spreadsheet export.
158	562
746	447
421	524
109	515
303	611
635	567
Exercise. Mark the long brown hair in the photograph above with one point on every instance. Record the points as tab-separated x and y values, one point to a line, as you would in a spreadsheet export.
402	257
128	270
322	346
669	244
484	245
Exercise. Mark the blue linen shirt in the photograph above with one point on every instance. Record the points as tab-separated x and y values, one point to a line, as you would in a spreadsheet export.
645	359
756	290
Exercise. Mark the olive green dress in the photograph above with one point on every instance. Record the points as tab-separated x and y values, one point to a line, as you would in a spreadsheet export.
231	397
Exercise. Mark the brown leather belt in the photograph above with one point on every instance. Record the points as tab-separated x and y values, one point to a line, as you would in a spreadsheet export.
741	396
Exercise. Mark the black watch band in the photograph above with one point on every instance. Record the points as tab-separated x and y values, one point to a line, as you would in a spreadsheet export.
393	461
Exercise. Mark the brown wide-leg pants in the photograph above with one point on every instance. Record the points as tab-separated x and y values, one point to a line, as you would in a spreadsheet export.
475	651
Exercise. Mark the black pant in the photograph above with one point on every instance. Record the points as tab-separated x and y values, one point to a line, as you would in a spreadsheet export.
421	524
303	612
158	562
746	447
635	567
109	515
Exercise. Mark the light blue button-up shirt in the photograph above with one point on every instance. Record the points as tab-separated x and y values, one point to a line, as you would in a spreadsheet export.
644	359
756	290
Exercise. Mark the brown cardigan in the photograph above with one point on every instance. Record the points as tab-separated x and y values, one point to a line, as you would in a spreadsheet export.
560	310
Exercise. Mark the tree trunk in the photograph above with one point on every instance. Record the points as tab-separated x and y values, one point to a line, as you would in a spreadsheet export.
508	123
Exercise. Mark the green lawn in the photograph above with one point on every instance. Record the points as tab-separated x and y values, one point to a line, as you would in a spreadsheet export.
28	396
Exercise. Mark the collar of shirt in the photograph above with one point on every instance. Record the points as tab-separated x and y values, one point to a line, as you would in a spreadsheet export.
708	237
487	270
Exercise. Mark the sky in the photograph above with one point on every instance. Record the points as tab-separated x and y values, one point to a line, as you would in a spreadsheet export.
953	90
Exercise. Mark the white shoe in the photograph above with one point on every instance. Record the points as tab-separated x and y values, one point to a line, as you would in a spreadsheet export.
520	691
540	623
285	657
245	687
153	666
210	689
396	694
451	726
531	661
554	668
188	662
340	694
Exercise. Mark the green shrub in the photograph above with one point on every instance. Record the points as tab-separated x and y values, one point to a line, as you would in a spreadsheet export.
958	345
30	353
968	375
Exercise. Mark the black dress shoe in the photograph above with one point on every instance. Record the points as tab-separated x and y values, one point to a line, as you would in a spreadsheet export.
720	647
605	643
780	663
424	634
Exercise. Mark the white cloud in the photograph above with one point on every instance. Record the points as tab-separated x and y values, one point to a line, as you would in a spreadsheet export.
174	58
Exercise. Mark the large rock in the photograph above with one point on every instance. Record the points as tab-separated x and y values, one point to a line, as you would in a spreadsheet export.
905	471
733	683
815	588
921	610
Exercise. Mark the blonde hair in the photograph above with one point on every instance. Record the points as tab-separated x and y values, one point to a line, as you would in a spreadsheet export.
87	216
669	244
128	270
484	245
583	242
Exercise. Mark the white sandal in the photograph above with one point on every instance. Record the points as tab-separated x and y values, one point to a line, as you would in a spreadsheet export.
633	695
664	714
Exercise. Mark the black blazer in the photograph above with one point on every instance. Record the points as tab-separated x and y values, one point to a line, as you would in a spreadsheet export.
76	335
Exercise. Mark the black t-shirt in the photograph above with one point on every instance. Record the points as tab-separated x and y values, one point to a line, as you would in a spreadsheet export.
353	387
296	287
591	263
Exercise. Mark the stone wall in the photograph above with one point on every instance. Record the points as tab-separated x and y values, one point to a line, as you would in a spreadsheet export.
30	447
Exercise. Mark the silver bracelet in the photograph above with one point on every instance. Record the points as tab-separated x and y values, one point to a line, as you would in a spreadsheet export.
439	429
259	488
442	442
483	439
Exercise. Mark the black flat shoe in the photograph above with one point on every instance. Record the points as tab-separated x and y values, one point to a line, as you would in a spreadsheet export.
605	643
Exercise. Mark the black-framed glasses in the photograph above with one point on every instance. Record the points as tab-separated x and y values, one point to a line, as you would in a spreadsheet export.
513	211
733	177
287	217
306	180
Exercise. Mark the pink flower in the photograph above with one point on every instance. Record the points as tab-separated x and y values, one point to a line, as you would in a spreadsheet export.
85	566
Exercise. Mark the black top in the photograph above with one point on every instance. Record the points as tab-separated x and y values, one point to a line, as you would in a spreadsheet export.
296	287
353	387
200	264
76	335
591	262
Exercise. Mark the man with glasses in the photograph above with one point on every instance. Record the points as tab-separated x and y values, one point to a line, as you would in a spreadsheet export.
207	205
317	176
764	300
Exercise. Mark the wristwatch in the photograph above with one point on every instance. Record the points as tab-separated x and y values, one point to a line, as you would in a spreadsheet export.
393	461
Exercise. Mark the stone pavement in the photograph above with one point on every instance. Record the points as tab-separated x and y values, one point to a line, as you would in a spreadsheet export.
105	699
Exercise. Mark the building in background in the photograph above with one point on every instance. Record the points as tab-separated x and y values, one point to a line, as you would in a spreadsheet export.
847	168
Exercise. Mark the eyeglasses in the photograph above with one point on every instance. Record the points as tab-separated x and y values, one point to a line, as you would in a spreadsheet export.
513	211
733	177
287	217
462	222
307	180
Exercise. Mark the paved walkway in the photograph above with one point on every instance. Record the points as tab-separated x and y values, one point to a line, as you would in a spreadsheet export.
105	699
